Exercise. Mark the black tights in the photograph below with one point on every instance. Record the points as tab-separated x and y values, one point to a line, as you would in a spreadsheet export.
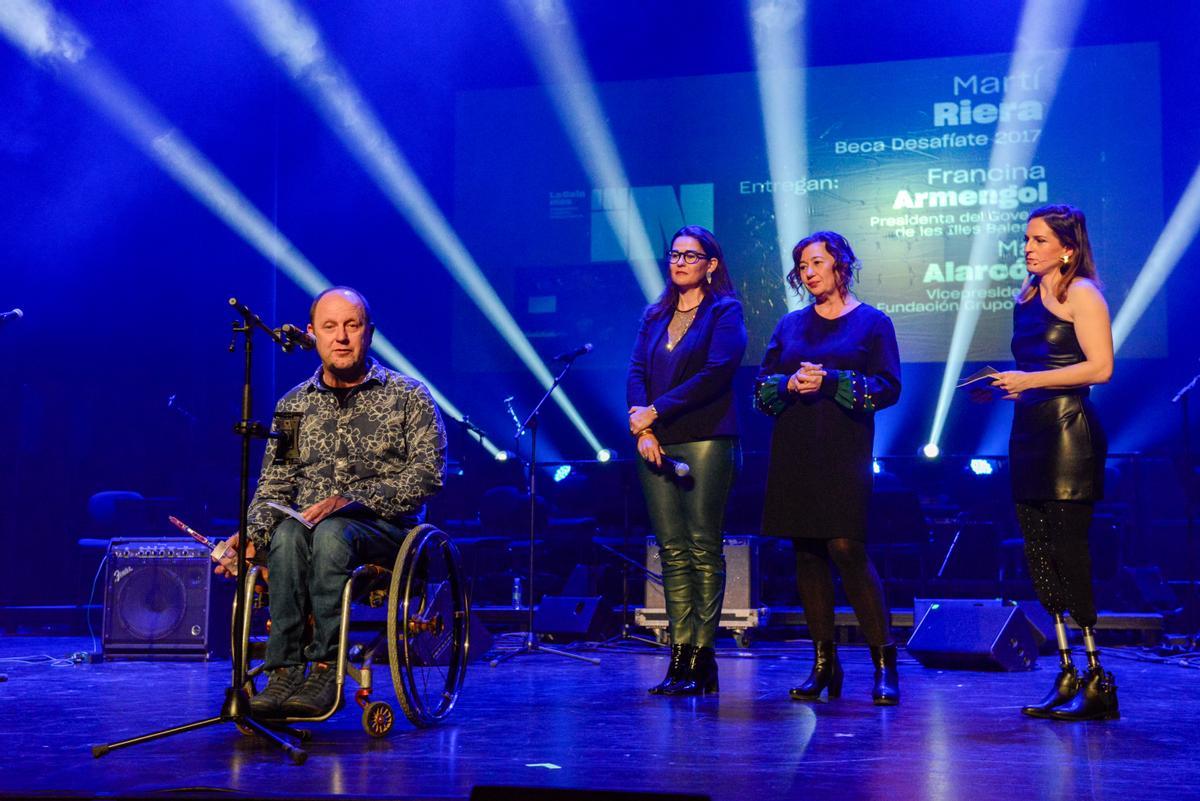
1056	550
859	580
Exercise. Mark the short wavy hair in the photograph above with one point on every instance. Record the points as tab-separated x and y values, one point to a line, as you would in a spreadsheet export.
845	264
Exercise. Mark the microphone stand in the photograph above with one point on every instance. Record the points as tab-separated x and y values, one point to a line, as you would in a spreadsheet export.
626	635
1190	481
236	707
532	645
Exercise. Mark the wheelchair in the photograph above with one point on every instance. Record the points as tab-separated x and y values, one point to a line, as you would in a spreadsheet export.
415	615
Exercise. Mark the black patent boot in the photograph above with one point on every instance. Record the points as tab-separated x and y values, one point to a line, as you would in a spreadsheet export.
1066	684
681	658
826	674
886	691
1097	696
701	675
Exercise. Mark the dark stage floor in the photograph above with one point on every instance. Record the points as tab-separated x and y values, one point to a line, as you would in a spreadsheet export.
546	721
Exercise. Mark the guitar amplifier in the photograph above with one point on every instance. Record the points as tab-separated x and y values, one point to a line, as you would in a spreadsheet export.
162	601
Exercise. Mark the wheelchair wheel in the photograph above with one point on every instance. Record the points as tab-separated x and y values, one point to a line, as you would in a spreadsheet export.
427	625
378	718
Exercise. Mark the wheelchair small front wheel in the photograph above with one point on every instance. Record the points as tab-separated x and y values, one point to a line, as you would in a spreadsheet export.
378	718
427	625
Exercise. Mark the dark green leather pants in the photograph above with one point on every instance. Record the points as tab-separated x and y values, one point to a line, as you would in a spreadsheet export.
687	515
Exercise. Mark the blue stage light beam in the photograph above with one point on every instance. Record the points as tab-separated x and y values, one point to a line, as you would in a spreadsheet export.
51	40
550	38
1046	31
293	39
1172	242
779	35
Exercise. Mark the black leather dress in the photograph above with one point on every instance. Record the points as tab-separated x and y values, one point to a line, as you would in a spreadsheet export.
1057	448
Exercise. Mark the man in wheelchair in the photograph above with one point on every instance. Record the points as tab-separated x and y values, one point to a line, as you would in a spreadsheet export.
357	452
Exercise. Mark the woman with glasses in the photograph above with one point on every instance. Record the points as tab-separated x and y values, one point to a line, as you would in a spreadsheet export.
681	410
828	368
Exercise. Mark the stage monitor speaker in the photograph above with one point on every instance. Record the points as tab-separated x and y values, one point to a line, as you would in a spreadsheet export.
958	634
569	617
742	576
160	601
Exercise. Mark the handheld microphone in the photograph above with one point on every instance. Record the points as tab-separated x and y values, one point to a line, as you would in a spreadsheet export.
574	353
680	469
297	337
17	314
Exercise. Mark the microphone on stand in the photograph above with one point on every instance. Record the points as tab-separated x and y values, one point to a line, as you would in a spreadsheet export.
17	314
573	354
296	337
680	469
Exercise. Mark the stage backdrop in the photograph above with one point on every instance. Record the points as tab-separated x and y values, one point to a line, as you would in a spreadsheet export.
898	161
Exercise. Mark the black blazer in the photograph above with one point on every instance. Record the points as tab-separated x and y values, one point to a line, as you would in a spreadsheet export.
699	404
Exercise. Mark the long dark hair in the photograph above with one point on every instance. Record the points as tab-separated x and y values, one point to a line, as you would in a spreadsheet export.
721	284
845	263
1070	226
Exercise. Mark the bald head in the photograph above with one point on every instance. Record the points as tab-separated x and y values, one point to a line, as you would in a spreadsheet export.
340	321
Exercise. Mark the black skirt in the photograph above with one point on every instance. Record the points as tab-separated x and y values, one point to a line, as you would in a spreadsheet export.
1057	450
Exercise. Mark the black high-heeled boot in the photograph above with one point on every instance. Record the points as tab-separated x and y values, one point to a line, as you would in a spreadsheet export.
1096	699
677	669
702	675
1066	684
826	673
886	691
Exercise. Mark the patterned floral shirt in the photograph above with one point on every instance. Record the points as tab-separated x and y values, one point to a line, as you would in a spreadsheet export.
384	449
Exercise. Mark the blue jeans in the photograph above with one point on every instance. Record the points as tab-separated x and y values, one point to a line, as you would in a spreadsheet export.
309	569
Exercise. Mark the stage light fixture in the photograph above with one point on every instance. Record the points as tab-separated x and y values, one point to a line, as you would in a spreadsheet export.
50	39
981	467
876	467
1045	33
1175	238
930	450
604	455
552	41
562	472
779	33
504	456
293	39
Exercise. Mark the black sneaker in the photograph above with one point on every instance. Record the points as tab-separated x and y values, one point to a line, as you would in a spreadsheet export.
282	685
317	695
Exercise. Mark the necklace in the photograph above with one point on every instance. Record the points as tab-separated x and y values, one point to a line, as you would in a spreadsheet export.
692	309
681	321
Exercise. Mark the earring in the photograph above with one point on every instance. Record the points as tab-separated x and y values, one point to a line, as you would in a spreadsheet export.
710	277
1066	259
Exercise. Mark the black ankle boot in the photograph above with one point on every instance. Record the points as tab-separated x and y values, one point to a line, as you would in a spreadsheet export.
681	657
826	673
886	691
1066	685
1096	699
701	675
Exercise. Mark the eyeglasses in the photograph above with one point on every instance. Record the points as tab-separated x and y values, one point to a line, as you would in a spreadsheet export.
688	257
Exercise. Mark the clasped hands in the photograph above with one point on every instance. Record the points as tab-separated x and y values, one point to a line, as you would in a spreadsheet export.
807	379
227	564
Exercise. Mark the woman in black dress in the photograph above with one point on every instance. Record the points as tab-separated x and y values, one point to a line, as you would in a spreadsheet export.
828	368
681	409
1062	344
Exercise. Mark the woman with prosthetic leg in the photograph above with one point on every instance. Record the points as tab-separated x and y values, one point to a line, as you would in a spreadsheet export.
1062	344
